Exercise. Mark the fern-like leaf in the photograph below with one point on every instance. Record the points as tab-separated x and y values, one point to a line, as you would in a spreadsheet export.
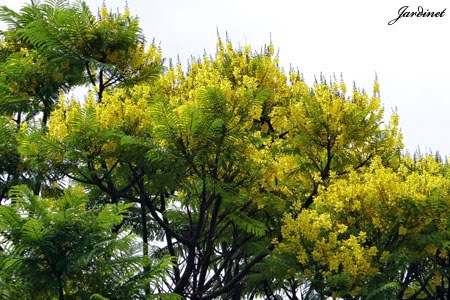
386	291
34	230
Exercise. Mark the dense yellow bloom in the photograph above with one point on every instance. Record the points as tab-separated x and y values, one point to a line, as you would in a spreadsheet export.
331	134
376	88
104	13
118	109
376	201
62	116
313	236
124	109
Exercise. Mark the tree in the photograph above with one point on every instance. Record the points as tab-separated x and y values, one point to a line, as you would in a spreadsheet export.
9	156
254	183
330	134
107	50
184	160
51	47
32	75
374	228
216	156
60	248
325	135
211	122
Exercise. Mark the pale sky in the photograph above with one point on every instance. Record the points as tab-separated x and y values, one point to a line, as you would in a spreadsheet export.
352	37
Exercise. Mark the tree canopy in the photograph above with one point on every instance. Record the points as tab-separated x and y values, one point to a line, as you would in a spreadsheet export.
228	178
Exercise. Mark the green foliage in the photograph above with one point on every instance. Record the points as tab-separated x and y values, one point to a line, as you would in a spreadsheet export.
61	245
340	283
231	179
387	291
32	76
9	157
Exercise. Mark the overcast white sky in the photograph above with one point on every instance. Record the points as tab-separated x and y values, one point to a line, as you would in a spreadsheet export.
352	37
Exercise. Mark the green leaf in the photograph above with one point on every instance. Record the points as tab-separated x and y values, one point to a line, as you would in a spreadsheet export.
386	291
250	225
34	230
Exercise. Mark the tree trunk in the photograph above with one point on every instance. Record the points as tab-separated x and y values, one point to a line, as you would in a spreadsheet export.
144	241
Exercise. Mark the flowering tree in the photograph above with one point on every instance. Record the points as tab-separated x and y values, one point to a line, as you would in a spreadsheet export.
253	182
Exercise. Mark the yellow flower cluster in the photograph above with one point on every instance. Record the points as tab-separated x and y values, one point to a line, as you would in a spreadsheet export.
375	201
104	13
246	81
62	117
330	134
317	238
384	195
124	109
